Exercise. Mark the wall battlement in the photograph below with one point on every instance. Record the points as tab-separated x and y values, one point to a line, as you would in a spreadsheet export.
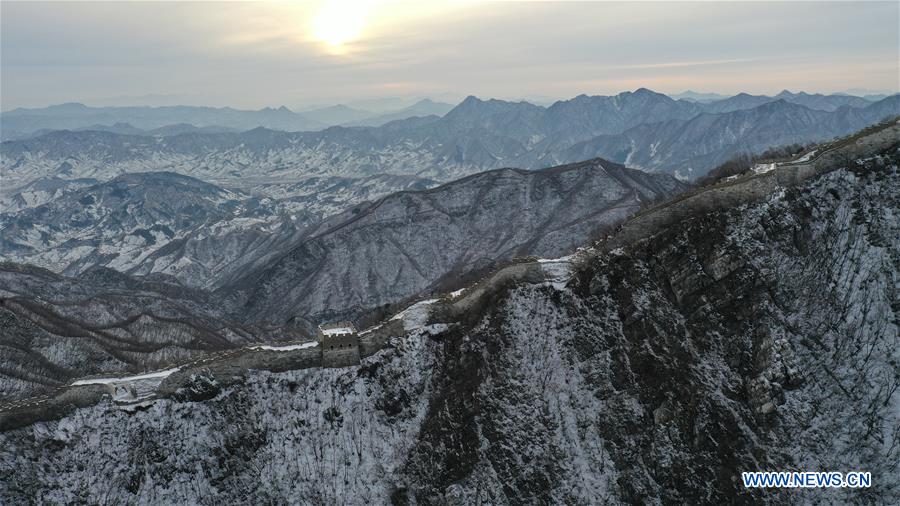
339	343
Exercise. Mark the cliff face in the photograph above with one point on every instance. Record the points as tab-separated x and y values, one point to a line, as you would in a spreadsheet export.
758	338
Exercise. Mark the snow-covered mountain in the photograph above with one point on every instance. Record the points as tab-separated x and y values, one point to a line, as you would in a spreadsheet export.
756	338
201	235
40	191
58	328
691	148
476	135
391	249
161	222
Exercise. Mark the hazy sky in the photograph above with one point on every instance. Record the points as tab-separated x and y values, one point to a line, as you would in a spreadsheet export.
297	54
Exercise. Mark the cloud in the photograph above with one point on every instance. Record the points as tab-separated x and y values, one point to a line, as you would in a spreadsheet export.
263	53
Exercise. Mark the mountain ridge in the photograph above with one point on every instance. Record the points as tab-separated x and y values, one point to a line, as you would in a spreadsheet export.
448	147
661	335
431	233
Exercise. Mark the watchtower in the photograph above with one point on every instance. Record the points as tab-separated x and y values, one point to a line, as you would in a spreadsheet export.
339	343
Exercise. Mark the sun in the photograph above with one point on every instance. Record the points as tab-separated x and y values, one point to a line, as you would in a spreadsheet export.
340	22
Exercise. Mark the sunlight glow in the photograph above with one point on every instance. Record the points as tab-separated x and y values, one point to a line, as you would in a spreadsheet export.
340	22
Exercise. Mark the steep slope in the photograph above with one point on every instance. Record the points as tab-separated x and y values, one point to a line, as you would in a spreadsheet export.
57	328
691	148
408	242
757	338
585	116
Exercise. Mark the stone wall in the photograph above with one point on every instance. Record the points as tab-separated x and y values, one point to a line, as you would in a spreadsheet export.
57	405
340	351
868	142
730	194
794	174
372	341
756	187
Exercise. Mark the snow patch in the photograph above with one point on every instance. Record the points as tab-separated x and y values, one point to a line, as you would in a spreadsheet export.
126	379
415	316
807	156
762	168
557	270
337	331
289	347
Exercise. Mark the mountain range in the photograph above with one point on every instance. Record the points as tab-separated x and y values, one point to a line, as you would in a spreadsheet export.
758	337
141	120
169	120
691	148
156	268
642	129
278	259
161	222
415	241
59	328
21	122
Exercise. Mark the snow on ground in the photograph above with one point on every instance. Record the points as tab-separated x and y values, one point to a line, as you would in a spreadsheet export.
371	329
761	168
567	259
337	331
129	389
557	270
289	347
126	379
415	316
807	156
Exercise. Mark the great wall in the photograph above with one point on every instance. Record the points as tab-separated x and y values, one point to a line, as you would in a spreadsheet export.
229	367
754	187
